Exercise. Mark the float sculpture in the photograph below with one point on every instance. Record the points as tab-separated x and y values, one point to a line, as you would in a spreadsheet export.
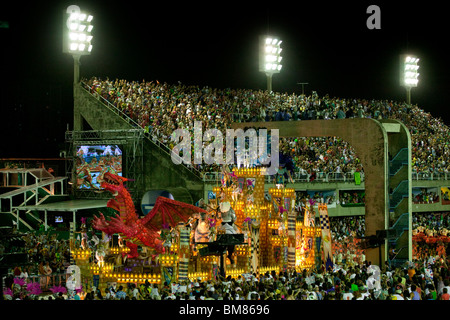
143	231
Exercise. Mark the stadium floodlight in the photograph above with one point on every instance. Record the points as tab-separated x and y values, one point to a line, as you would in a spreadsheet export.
270	57
77	36
409	75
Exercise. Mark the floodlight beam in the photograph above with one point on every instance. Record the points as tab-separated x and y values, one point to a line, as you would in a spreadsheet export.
409	76
77	36
270	57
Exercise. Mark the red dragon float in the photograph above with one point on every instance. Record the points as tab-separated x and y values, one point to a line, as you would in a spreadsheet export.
144	231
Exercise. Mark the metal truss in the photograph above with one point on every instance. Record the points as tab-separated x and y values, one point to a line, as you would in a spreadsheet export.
131	141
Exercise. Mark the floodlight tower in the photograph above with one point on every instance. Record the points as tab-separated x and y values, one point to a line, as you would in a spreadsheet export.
269	57
77	36
408	74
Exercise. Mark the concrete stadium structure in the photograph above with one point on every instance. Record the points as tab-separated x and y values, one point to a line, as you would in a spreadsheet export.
382	145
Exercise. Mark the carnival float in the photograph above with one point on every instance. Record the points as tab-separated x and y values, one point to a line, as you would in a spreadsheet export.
242	229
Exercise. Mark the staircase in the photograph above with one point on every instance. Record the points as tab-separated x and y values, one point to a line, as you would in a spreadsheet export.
398	162
27	187
398	206
399	241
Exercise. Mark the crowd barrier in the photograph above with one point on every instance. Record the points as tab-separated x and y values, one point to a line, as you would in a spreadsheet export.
297	177
432	176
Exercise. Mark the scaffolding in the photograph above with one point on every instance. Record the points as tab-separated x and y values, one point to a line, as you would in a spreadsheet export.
131	142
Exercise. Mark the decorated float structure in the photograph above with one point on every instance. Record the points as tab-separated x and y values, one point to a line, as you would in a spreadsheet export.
173	241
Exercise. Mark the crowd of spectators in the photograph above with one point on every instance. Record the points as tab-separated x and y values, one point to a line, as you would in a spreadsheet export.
160	108
426	195
47	256
358	282
352	198
343	228
431	220
352	277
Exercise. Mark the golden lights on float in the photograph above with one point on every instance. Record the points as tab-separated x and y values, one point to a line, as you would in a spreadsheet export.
80	253
168	259
275	268
303	261
242	250
101	267
248	172
210	259
125	277
282	193
202	275
119	250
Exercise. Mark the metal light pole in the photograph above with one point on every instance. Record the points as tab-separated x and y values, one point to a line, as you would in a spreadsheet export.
76	68
269	57
303	86
77	36
269	81
408	74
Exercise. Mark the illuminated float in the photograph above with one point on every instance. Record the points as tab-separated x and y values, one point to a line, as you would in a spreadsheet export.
179	241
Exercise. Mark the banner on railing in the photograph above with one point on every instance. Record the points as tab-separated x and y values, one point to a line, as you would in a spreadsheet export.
357	178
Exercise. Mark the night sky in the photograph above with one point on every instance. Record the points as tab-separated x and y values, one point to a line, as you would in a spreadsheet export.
210	43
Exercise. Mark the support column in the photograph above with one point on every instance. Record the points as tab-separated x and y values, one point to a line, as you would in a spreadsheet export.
183	253
269	82
74	219
76	69
45	220
291	238
369	140
255	249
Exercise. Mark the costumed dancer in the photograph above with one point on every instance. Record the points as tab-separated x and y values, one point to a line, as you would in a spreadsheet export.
84	240
228	216
201	228
226	178
166	236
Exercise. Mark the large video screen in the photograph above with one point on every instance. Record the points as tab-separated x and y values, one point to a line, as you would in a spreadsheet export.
93	161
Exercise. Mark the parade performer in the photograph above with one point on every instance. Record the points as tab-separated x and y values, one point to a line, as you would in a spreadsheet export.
201	228
228	217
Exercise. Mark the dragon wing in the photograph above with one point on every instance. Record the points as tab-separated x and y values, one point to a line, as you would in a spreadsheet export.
169	212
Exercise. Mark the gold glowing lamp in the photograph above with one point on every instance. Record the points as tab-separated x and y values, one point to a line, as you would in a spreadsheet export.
282	192
252	211
168	259
81	253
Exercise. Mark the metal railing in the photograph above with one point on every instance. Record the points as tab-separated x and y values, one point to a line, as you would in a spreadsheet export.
432	176
298	177
334	177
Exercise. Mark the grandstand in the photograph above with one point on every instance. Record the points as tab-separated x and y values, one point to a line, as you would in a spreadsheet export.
324	168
